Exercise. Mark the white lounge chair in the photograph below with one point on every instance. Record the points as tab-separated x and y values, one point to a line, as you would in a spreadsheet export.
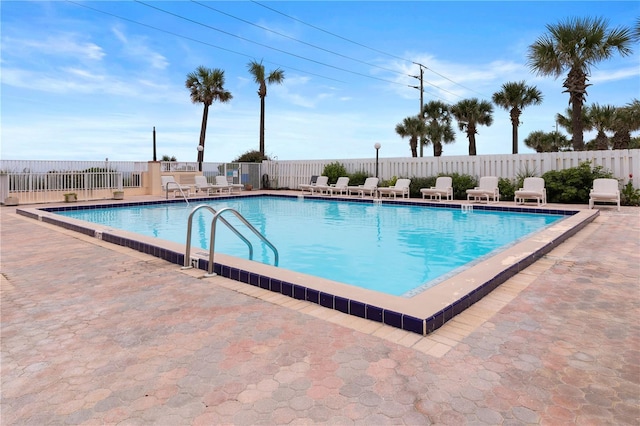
321	181
487	189
203	185
341	186
221	180
604	191
169	184
400	188
370	187
443	188
532	189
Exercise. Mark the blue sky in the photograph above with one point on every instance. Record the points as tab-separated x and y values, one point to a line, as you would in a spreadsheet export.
78	84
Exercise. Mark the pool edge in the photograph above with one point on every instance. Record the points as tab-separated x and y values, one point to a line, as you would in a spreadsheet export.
416	314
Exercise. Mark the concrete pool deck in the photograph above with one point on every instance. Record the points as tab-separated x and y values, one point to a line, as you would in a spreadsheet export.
94	333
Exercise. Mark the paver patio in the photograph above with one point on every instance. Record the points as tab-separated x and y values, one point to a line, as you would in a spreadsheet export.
93	333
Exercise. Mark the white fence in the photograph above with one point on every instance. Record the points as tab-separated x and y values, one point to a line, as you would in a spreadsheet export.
621	163
33	179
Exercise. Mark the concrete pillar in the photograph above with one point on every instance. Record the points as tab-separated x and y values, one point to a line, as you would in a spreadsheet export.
153	184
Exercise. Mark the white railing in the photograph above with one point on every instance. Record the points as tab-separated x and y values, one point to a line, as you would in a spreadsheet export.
47	187
621	163
131	171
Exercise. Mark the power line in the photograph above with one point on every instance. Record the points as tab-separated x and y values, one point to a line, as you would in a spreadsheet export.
242	38
447	78
295	39
370	48
265	45
197	41
330	33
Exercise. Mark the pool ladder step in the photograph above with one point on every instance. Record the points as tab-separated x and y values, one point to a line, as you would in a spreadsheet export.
192	263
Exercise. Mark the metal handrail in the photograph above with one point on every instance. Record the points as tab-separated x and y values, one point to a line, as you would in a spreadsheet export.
167	189
212	241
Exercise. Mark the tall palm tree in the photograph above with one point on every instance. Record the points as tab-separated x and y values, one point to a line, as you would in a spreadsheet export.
256	69
470	114
438	120
514	97
206	86
575	46
626	120
413	128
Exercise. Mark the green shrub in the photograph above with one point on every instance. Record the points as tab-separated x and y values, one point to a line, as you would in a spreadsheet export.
629	196
420	182
387	183
333	171
460	185
507	189
572	186
522	174
251	157
358	178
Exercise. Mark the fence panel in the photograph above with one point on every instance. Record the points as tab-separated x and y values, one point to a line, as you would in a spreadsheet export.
621	163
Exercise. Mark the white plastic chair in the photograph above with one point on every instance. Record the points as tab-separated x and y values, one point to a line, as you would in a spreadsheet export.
487	189
169	184
532	189
320	181
222	182
443	188
400	188
203	185
370	187
341	186
604	191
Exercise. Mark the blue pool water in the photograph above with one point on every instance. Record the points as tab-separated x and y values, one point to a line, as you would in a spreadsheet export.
394	249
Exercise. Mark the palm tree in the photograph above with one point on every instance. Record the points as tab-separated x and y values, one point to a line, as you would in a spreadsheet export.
576	45
626	120
514	97
470	114
256	69
566	122
414	128
601	116
438	120
206	86
546	142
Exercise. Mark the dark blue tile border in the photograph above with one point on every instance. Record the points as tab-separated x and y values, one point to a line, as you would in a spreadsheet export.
341	304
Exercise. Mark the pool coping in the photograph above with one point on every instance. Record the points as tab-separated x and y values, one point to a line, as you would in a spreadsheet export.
422	313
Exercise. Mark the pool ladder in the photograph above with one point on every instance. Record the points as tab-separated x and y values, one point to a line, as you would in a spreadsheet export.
212	241
179	189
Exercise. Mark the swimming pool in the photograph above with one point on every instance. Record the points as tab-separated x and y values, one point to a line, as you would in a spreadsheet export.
420	313
396	249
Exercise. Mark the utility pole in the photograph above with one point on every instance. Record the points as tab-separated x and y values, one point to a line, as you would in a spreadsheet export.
421	88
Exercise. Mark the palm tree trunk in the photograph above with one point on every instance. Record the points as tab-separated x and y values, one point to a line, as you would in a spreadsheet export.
203	132
471	134
414	146
437	149
515	120
262	126
576	123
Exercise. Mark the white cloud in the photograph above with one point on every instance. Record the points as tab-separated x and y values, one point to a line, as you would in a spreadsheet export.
61	44
137	49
